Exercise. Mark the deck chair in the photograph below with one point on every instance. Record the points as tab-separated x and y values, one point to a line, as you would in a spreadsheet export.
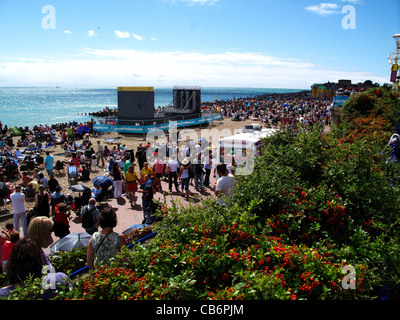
72	173
59	166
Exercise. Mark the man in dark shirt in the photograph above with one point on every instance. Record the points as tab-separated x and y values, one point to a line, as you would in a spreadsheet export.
52	183
148	188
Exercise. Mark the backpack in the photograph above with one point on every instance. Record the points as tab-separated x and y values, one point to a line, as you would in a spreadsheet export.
87	218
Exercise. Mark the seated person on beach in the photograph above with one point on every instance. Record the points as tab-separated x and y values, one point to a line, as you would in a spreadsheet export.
85	174
52	183
97	193
25	179
74	160
17	153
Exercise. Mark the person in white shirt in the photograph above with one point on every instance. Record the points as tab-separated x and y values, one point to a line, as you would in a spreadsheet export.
18	202
224	185
173	167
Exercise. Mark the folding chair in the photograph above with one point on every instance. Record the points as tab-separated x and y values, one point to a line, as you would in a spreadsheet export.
72	173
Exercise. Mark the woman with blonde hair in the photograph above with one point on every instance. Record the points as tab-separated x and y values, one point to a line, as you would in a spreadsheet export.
39	230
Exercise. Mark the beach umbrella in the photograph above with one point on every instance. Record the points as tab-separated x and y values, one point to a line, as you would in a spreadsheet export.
132	228
71	241
79	188
103	181
82	128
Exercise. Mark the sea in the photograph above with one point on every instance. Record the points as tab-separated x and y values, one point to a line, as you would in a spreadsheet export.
27	107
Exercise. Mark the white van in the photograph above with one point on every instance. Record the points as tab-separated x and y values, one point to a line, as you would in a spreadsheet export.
243	147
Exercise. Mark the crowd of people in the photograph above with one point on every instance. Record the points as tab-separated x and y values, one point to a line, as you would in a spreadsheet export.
271	109
136	173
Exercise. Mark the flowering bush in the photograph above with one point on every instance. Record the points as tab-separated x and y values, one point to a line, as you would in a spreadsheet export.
317	219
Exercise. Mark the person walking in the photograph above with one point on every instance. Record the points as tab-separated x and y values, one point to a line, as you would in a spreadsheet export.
118	176
131	179
172	168
49	163
18	202
148	189
184	176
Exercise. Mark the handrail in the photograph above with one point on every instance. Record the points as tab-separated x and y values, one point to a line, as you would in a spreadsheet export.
75	273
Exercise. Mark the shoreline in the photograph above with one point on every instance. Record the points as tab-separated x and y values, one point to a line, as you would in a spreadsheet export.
86	113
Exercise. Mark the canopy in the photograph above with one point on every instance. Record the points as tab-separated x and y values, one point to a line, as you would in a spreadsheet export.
83	128
103	181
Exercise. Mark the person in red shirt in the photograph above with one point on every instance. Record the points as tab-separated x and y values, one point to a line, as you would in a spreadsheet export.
7	247
61	222
158	169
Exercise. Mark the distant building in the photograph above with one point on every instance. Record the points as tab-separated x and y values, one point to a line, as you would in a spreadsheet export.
329	89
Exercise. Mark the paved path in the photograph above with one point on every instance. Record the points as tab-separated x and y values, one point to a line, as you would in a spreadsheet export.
128	215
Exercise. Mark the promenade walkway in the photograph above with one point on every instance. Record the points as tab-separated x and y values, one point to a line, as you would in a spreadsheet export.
128	215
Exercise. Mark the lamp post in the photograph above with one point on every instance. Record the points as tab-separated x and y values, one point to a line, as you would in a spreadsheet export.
393	60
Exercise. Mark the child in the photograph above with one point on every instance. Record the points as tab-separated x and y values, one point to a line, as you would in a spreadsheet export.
7	247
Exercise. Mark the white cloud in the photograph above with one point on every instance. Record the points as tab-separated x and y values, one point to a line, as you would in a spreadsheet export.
324	9
91	33
137	37
122	34
153	39
67	32
132	67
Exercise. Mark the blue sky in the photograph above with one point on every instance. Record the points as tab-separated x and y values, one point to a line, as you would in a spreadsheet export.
235	43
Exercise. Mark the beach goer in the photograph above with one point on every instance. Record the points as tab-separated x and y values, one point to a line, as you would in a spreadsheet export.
184	176
224	185
207	167
99	153
148	189
61	222
40	230
158	169
25	179
42	202
26	260
89	215
131	179
49	163
145	170
173	169
106	243
7	248
18	202
118	176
